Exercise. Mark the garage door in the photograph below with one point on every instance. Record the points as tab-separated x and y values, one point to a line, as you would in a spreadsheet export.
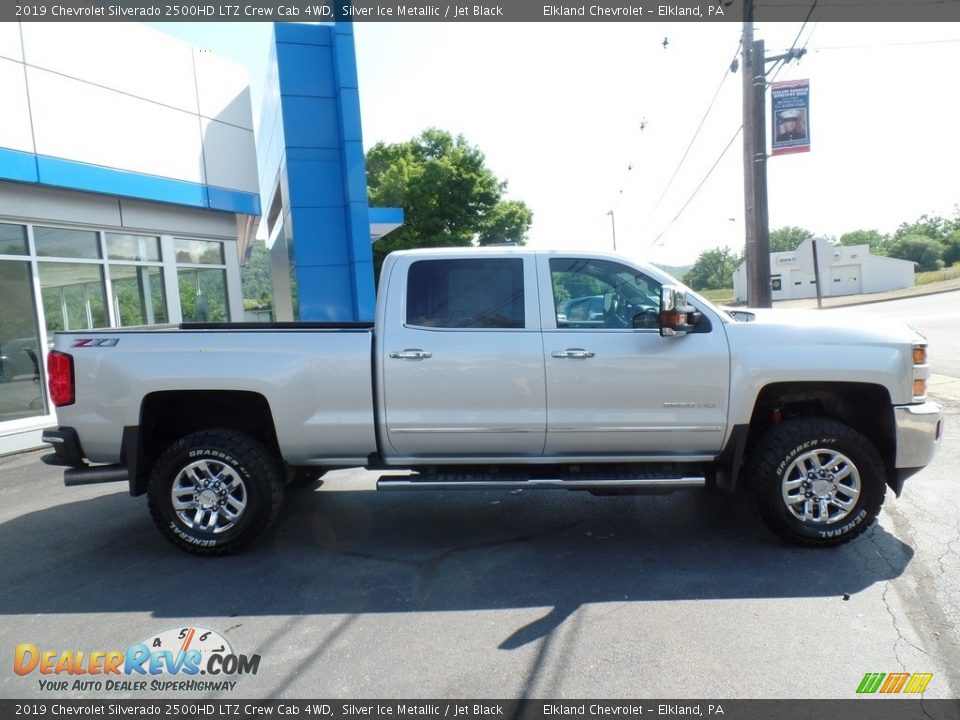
845	280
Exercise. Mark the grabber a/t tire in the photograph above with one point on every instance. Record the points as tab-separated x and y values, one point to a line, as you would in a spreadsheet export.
817	482
215	491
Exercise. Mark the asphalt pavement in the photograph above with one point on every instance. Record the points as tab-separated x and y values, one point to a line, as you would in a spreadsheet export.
501	594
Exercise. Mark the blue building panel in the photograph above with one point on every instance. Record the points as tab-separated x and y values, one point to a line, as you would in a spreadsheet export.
305	34
305	73
310	122
386	215
358	214
17	165
326	293
326	182
72	175
318	238
349	99
345	57
354	172
315	183
93	178
366	296
234	201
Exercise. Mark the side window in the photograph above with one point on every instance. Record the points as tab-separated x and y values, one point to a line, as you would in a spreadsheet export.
600	295
474	293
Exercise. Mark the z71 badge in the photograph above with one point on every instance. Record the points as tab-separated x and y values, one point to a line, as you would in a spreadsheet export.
95	342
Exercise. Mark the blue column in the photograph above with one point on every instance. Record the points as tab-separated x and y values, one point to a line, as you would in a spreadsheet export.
326	181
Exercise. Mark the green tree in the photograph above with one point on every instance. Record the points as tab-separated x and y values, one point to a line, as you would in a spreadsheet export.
787	239
450	198
936	227
713	270
951	248
874	238
508	221
926	251
255	278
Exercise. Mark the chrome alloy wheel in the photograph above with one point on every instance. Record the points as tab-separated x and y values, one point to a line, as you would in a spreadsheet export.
209	496
821	486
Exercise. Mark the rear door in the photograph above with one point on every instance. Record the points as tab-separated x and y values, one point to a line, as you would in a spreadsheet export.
462	365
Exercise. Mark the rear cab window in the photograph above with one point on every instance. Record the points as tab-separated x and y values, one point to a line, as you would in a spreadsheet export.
475	293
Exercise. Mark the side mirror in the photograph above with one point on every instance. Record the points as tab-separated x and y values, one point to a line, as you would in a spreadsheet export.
675	314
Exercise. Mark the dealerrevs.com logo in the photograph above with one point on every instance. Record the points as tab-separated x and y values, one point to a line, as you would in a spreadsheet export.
173	660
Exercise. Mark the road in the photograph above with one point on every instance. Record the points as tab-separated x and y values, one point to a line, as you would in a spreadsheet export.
497	594
937	316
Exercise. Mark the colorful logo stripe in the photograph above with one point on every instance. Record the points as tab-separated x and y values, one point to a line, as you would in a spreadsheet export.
893	683
918	683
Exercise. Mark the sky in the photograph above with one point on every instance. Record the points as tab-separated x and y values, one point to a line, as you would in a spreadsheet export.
582	119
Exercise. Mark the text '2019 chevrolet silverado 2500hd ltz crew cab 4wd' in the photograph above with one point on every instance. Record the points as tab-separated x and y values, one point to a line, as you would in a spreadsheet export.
502	368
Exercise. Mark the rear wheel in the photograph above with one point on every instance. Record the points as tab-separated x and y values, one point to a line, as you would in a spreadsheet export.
817	482
215	491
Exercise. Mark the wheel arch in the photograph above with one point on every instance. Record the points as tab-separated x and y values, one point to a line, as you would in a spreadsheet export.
865	407
167	416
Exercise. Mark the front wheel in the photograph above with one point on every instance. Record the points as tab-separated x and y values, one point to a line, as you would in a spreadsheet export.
213	492
817	482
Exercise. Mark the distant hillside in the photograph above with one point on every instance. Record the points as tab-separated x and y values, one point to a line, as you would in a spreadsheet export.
678	271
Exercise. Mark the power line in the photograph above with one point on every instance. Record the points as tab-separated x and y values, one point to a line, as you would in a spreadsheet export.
702	182
782	62
805	21
726	73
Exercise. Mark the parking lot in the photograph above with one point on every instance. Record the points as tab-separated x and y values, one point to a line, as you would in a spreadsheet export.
495	594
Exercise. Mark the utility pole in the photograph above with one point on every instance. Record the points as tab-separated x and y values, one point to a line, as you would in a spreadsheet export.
613	228
756	215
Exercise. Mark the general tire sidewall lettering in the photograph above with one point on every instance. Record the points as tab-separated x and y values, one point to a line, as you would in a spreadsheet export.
780	446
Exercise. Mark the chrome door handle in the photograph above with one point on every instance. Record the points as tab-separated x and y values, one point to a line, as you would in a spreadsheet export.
412	354
576	353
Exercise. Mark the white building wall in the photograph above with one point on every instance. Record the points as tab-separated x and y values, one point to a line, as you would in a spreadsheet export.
114	128
844	270
124	96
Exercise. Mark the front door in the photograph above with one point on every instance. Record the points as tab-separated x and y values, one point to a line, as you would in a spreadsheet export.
614	386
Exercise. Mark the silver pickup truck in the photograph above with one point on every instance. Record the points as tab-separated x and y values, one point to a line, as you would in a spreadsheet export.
502	368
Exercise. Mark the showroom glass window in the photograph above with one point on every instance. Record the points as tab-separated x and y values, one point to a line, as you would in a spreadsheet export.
21	376
136	277
71	286
202	280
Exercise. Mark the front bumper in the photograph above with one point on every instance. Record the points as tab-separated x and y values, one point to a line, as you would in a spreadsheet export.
918	430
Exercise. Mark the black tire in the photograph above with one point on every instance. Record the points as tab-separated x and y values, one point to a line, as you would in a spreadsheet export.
230	485
780	478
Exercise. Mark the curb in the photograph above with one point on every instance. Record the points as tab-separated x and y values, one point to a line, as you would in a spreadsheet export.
918	291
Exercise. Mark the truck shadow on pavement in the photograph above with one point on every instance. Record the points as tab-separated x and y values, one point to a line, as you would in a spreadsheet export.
364	552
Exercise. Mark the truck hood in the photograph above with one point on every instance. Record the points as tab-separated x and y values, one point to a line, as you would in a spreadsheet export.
815	346
842	327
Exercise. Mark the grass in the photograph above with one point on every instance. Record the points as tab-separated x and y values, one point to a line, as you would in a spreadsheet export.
932	276
723	296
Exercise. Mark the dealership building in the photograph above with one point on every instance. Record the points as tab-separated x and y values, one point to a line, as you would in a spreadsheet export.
132	186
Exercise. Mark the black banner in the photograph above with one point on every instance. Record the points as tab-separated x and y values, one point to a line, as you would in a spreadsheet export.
180	709
482	10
